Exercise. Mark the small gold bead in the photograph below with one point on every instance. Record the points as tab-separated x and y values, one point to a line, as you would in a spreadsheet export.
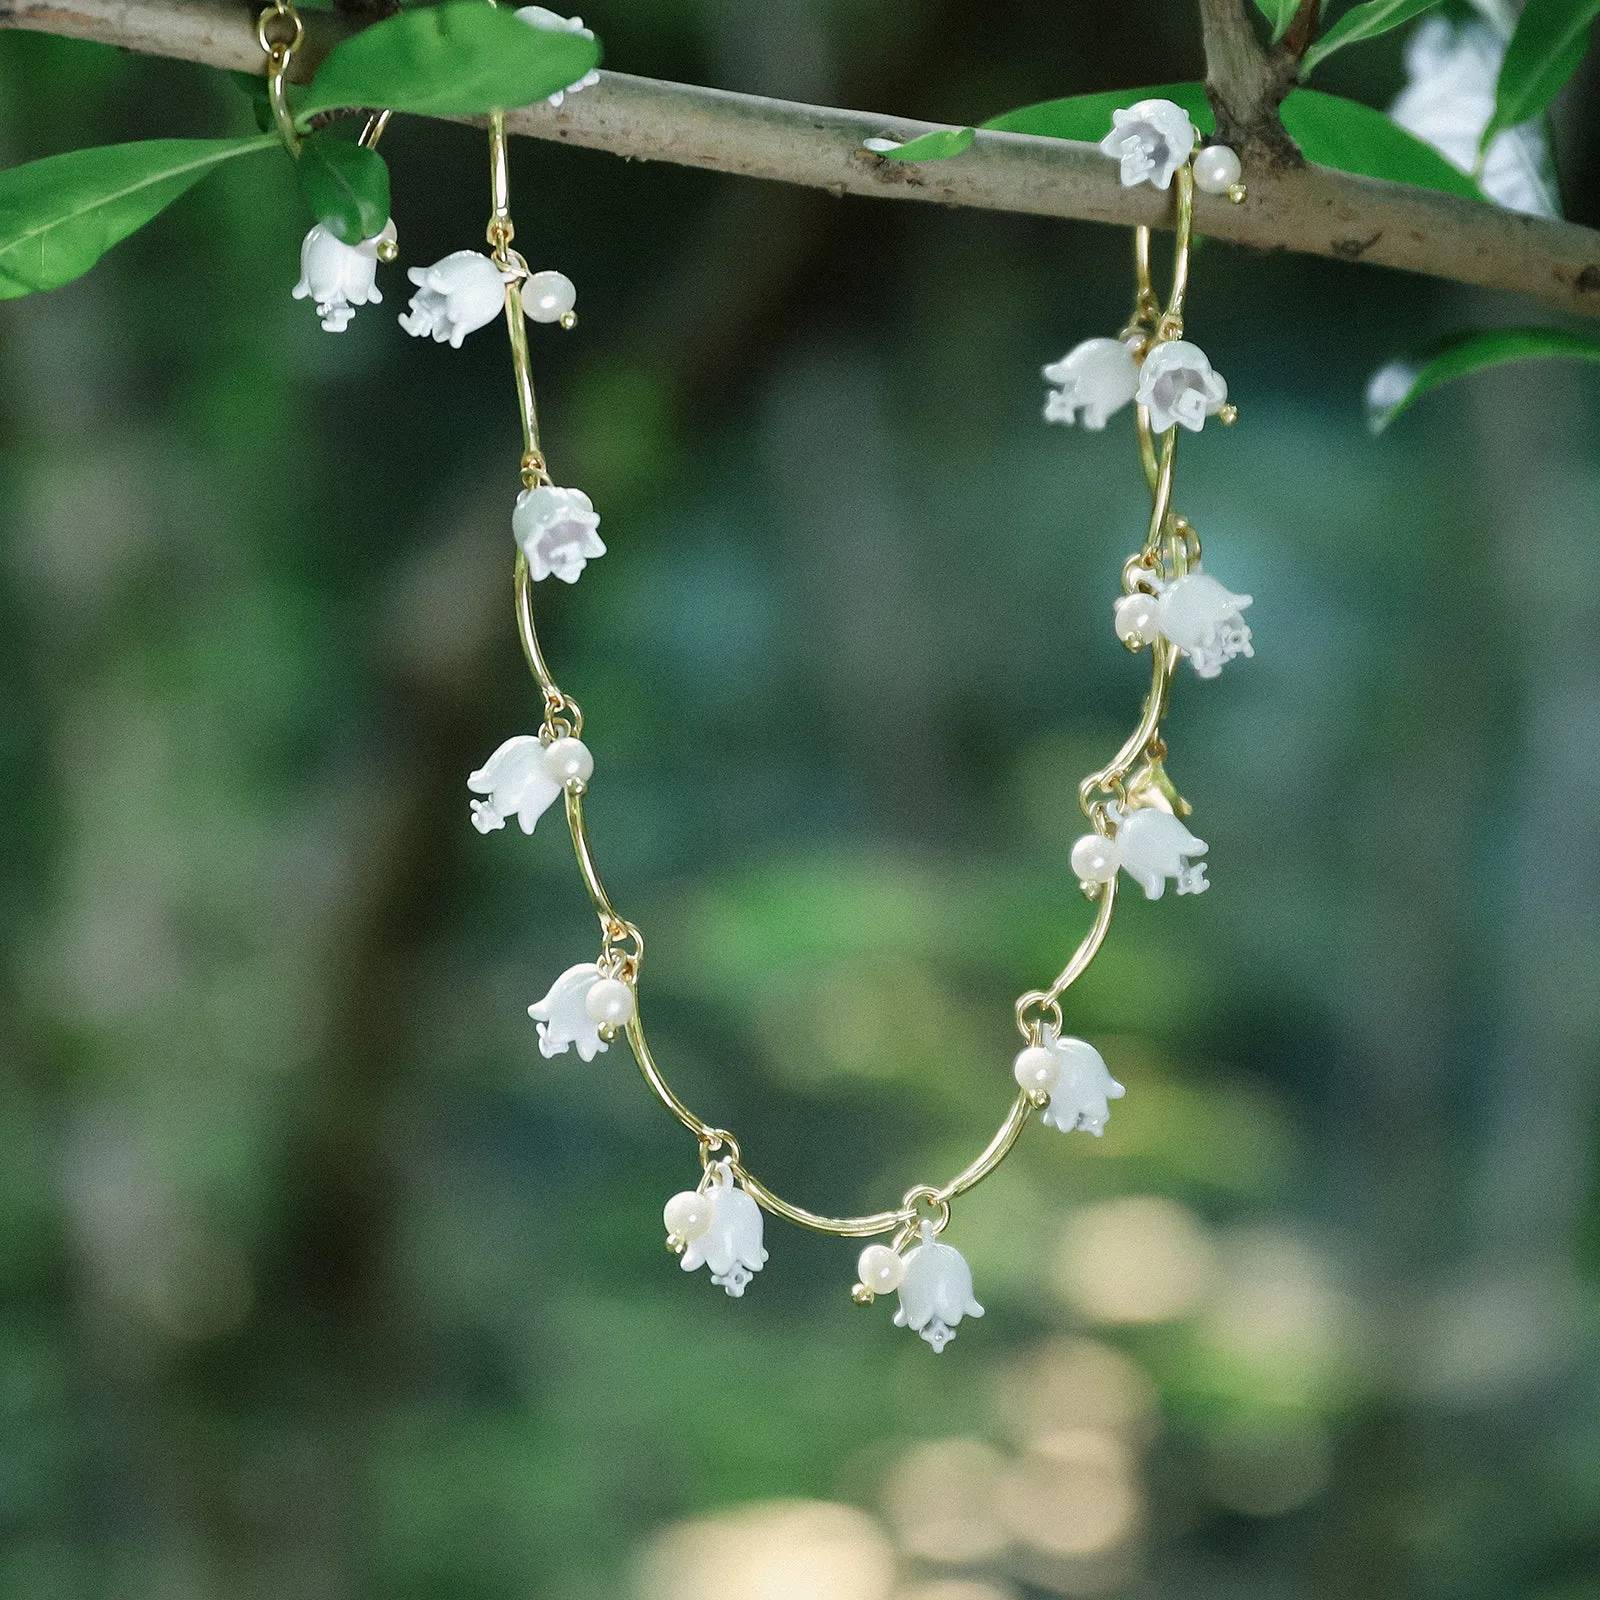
388	250
1228	415
1038	1098
569	320
1237	194
862	1295
675	1245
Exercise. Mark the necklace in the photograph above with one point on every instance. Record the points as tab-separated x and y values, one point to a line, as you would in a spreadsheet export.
1168	605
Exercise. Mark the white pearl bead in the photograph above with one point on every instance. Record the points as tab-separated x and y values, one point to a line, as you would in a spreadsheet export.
548	296
881	1269
609	1003
567	759
1094	859
1036	1069
1138	619
1216	169
688	1215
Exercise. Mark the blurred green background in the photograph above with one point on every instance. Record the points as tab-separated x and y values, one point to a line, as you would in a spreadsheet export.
318	1282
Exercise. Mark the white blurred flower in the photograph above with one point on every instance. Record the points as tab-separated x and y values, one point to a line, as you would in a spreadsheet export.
1448	102
1096	377
1179	385
1151	139
455	297
339	276
555	529
540	17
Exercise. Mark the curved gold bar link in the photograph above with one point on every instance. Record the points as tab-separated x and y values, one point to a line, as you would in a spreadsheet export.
994	1152
579	829
1107	779
1181	251
532	652
1147	447
373	132
1086	952
1161	490
1146	302
840	1227
663	1090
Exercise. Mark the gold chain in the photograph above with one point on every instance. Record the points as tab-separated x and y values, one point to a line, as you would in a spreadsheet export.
279	32
1170	549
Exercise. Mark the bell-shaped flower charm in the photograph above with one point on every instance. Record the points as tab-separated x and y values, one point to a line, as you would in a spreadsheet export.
455	297
1072	1076
936	1291
1151	140
338	277
1180	386
525	776
1153	845
553	22
1150	845
731	1244
556	530
1204	620
565	1017
1096	377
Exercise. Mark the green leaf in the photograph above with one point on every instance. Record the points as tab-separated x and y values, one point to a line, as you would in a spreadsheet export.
1280	13
1332	131
1548	46
1395	386
1335	132
939	145
1364	22
58	216
1088	116
455	60
346	186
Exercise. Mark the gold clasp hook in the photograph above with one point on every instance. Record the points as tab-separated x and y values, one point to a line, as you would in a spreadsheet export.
280	46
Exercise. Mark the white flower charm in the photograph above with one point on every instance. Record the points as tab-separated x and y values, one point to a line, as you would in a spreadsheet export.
1180	386
1153	845
556	531
455	297
338	277
563	1014
1096	377
525	776
1151	139
1072	1075
551	22
936	1291
1150	845
731	1243
1204	620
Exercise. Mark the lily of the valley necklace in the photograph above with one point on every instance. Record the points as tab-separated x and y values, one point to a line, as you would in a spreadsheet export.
1168	605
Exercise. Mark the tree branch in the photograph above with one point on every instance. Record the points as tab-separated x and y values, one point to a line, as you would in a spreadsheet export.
1246	82
1308	209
